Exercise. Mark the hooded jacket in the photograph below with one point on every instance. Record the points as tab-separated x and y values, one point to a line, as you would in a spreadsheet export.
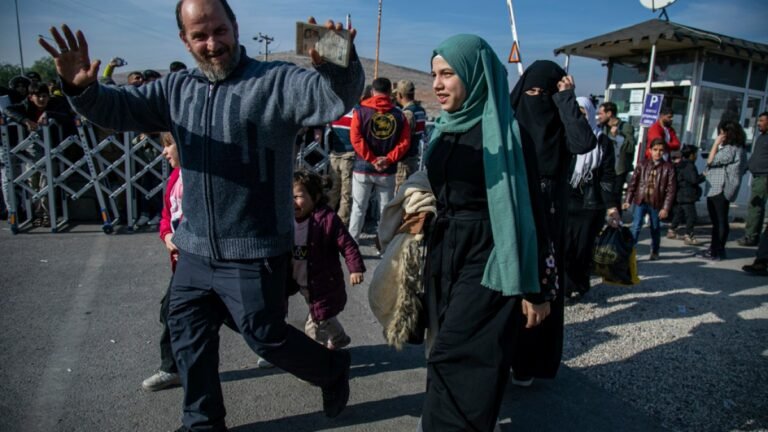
688	179
326	239
657	131
379	129
234	138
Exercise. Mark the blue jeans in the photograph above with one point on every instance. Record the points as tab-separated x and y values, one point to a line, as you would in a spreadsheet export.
637	224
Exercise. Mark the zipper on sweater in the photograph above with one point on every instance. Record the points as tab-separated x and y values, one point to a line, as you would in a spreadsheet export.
207	186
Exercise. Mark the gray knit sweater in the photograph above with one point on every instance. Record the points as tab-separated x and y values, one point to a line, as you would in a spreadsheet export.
235	139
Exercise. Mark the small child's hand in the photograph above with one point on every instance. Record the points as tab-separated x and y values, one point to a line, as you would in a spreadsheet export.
355	278
625	206
613	218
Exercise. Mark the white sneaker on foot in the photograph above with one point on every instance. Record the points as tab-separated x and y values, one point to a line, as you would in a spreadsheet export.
142	220
263	364
520	381
160	380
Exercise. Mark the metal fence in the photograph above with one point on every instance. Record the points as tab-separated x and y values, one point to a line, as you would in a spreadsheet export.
44	171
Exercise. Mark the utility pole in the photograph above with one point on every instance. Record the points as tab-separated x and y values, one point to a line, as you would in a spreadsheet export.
378	38
515	40
18	30
267	40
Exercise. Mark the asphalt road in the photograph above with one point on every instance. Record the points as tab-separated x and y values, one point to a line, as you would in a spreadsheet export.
79	331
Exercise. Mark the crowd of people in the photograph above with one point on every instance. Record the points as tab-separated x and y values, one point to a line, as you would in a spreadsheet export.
522	182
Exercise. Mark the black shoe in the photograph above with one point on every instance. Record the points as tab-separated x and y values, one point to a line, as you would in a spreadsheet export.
713	256
336	395
747	241
184	429
756	268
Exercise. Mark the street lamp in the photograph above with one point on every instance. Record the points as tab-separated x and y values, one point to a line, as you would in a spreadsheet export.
18	31
267	40
378	39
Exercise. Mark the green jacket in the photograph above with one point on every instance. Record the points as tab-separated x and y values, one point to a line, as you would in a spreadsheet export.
625	154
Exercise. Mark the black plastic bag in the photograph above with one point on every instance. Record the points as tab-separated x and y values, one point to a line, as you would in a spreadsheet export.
614	256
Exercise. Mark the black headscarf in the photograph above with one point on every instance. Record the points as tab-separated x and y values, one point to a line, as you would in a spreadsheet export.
540	125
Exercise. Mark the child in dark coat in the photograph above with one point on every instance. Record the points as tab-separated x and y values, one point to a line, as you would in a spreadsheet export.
688	192
319	237
652	191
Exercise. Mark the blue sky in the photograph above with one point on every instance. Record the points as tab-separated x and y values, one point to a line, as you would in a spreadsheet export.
144	31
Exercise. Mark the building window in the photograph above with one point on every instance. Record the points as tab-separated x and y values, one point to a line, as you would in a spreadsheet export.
750	120
626	72
715	105
759	76
677	97
674	66
669	67
725	70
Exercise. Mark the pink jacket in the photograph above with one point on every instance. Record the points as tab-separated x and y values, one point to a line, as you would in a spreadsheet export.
165	217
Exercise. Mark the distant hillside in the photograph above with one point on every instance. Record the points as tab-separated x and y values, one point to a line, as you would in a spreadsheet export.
422	80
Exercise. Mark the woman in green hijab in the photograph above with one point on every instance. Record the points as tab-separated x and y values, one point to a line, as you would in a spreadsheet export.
482	255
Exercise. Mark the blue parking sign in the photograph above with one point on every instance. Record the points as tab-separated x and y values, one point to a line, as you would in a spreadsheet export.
651	109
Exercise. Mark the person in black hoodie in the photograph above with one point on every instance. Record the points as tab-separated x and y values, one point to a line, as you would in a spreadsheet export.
688	192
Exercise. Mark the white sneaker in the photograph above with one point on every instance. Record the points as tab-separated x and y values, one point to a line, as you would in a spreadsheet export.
154	221
521	381
420	428
142	220
263	364
160	380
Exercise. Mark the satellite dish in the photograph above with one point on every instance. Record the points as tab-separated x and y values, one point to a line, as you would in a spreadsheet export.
655	5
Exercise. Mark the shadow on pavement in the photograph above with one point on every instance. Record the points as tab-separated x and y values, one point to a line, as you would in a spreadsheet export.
687	345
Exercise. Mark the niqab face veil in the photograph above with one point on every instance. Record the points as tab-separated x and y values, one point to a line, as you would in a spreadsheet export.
539	121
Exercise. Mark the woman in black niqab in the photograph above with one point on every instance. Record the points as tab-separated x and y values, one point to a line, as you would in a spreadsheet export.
552	129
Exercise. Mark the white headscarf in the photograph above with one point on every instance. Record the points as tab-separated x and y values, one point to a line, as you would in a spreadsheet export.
586	163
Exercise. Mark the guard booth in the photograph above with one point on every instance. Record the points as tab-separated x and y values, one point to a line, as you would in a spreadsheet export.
706	77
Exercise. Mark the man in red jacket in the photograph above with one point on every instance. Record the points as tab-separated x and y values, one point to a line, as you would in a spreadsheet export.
662	129
381	136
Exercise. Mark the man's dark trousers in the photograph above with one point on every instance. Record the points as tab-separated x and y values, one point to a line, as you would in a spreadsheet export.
756	207
253	291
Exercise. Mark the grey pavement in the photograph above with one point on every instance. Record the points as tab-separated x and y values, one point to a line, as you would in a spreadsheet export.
79	330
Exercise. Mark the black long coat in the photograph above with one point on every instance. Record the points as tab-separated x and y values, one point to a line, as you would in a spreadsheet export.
538	351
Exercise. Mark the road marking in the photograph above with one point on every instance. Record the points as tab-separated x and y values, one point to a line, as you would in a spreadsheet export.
61	368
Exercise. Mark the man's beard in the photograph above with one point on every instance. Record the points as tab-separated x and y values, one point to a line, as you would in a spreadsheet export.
215	72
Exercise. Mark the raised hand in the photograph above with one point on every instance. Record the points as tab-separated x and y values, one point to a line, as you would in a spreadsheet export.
313	54
72	61
566	83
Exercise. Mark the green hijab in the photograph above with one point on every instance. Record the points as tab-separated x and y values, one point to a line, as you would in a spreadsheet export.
513	265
